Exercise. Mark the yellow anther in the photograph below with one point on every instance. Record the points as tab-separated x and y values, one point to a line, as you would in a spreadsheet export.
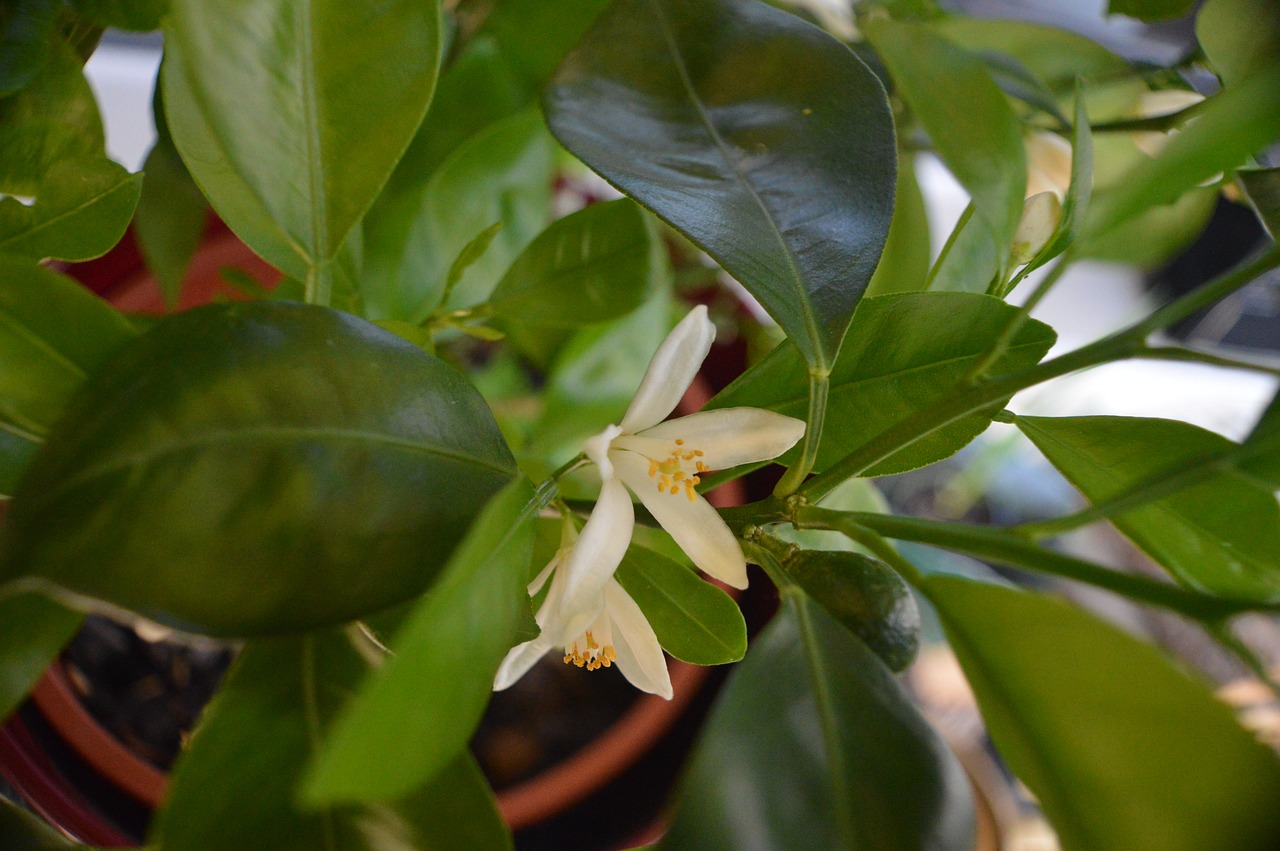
568	657
673	490
679	442
609	653
690	492
679	476
591	642
653	468
698	453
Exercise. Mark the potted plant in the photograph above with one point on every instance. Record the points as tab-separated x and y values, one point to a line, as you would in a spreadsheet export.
439	450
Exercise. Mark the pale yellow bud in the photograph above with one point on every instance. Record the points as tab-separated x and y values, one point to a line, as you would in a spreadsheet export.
1041	215
1048	163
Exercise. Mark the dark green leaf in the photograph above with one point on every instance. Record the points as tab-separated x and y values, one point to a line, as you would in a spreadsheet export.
53	333
758	136
1018	81
1239	36
1150	10
17	448
1122	749
171	218
415	715
26	28
867	597
813	745
22	831
248	755
968	120
694	620
33	631
81	210
1221	534
1262	186
1058	57
1265	441
1230	127
591	266
904	265
937	340
138	15
534	35
258	468
260	98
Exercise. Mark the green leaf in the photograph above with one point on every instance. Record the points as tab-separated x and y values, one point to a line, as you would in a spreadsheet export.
1239	36
1155	235
1262	187
1221	534
968	119
1121	749
81	210
904	265
257	468
1056	56
413	717
937	340
137	15
33	631
694	620
22	831
171	218
591	266
812	745
969	262
534	35
867	598
17	448
249	753
53	333
26	27
780	167
1264	440
1229	127
260	98
1150	10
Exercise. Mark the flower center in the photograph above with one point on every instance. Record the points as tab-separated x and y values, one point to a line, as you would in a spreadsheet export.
586	652
679	471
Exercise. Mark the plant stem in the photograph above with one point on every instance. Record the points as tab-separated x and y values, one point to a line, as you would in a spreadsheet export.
1019	319
819	384
1003	548
318	288
1179	353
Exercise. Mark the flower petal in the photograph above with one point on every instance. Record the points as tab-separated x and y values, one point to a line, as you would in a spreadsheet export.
639	654
519	660
671	371
593	559
694	524
730	436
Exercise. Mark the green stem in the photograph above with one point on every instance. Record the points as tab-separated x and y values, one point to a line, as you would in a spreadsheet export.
318	288
1211	293
851	525
819	385
1002	343
1178	353
1222	633
1004	548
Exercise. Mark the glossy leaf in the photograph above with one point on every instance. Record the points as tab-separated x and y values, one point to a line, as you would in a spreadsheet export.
1122	749
247	757
257	468
1230	127
138	15
591	266
694	620
81	210
969	121
26	26
259	97
414	716
904	265
1220	535
1264	446
866	597
1239	36
1150	10
813	744
937	340
53	333
1262	186
23	831
781	167
33	631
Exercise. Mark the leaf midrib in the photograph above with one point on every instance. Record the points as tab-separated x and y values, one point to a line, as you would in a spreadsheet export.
67	213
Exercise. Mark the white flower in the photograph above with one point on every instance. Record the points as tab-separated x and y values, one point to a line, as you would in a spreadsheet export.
1048	163
586	610
617	633
1041	215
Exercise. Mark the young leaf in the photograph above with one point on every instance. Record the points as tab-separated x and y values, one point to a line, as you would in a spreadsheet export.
904	265
275	709
813	744
413	717
694	620
1221	534
534	35
937	339
969	261
33	631
867	597
1122	749
781	167
1239	36
81	209
968	119
170	220
259	98
591	266
257	468
53	333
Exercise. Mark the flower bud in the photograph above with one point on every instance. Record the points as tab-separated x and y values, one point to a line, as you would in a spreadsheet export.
1040	217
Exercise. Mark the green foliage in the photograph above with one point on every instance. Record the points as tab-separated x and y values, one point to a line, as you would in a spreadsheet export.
681	123
26	28
22	831
1239	36
1262	186
245	500
1122	749
141	15
1150	10
33	630
853	766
